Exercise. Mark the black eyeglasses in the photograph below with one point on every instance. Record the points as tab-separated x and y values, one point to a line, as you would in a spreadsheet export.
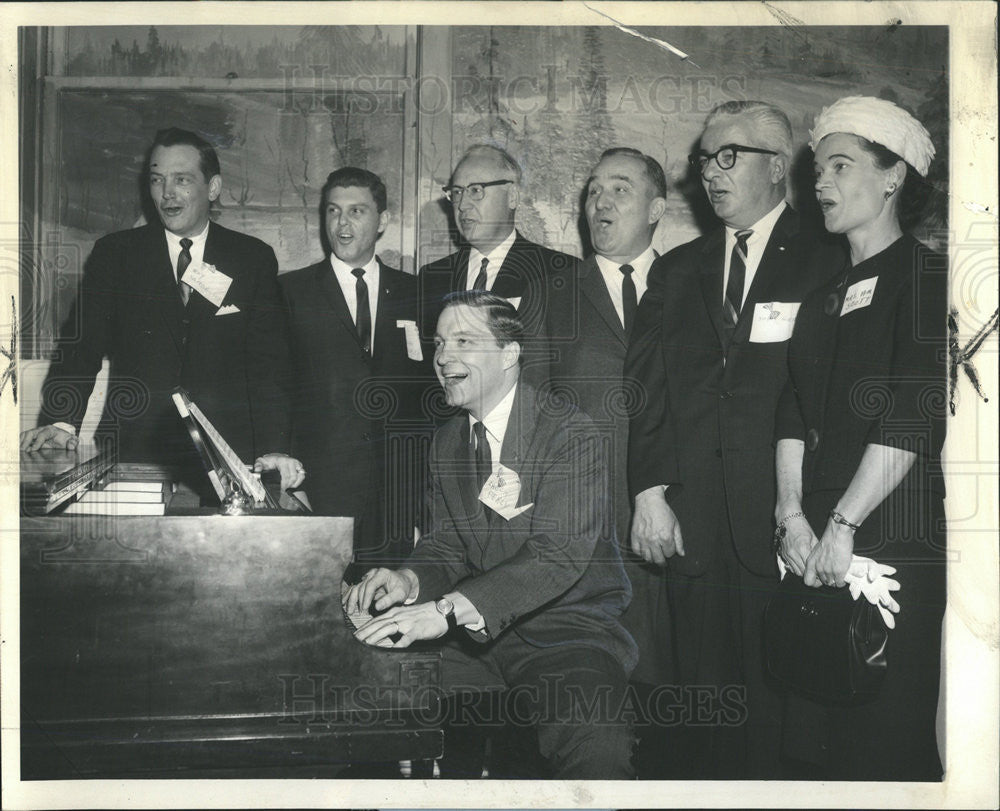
725	156
476	191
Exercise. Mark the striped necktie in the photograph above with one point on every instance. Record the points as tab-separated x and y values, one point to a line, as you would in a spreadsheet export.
737	277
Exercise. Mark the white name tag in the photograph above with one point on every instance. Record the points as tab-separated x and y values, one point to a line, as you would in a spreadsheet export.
773	321
208	281
501	492
859	295
413	350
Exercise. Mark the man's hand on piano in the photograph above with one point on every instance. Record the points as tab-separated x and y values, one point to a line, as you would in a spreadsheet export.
411	622
47	436
380	589
291	469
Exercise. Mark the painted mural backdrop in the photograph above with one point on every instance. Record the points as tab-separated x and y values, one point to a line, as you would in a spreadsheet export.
557	97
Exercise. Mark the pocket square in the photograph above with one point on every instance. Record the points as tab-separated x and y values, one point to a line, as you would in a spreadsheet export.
227	309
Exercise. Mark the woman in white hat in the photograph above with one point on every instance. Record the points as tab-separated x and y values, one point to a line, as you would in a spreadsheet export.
860	430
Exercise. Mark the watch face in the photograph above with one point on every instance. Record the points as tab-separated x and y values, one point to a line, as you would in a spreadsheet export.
445	606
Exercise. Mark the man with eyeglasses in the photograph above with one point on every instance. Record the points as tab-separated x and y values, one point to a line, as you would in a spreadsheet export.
709	348
484	192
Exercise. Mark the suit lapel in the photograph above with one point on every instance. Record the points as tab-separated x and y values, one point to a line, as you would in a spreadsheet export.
595	289
463	485
459	269
334	295
770	269
712	268
214	254
162	285
510	281
385	307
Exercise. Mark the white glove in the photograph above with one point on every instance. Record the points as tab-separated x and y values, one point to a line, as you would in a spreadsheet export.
866	576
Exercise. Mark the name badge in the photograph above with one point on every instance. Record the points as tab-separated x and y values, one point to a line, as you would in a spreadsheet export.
501	492
413	350
208	281
859	295
773	321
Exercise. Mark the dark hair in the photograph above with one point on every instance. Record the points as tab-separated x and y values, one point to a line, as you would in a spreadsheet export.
354	176
651	167
501	317
208	160
914	191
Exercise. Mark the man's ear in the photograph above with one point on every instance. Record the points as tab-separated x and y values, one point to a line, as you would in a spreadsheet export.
513	196
383	221
214	187
779	169
657	208
511	352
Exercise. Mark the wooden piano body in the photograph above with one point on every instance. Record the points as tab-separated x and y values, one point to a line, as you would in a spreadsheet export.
206	645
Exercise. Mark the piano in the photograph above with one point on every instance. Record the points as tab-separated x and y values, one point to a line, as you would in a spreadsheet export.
195	644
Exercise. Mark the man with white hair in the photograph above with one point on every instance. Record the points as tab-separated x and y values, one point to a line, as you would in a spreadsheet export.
709	348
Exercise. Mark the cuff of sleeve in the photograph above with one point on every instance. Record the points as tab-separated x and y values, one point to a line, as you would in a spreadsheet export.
65	426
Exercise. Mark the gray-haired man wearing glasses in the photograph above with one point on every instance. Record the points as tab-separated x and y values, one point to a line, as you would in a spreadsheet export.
709	346
484	191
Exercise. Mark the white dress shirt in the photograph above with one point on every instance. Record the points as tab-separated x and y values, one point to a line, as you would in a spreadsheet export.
614	278
496	257
197	248
496	425
348	285
755	247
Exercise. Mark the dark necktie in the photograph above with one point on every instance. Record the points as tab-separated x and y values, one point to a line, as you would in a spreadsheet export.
629	299
737	277
363	319
484	460
480	283
183	260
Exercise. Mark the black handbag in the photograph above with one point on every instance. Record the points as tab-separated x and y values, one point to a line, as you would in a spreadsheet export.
824	644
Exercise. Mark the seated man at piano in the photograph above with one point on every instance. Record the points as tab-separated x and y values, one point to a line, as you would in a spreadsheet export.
182	302
518	565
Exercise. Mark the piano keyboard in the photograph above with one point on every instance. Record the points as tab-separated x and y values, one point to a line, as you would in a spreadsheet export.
354	620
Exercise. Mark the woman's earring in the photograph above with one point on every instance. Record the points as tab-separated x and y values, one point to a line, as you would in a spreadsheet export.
890	191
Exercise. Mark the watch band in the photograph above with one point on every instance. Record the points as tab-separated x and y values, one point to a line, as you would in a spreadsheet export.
446	608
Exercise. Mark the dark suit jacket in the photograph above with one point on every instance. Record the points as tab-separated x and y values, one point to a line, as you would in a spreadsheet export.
345	402
590	345
130	310
552	574
528	272
708	422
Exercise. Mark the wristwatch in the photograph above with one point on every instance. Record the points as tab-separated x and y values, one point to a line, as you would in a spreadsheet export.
446	608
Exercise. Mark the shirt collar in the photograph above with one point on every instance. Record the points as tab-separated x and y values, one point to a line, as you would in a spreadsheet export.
344	269
196	241
496	421
640	264
496	256
762	228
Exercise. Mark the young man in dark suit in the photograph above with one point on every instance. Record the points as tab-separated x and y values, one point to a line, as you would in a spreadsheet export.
180	302
485	192
590	321
357	367
519	561
709	348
